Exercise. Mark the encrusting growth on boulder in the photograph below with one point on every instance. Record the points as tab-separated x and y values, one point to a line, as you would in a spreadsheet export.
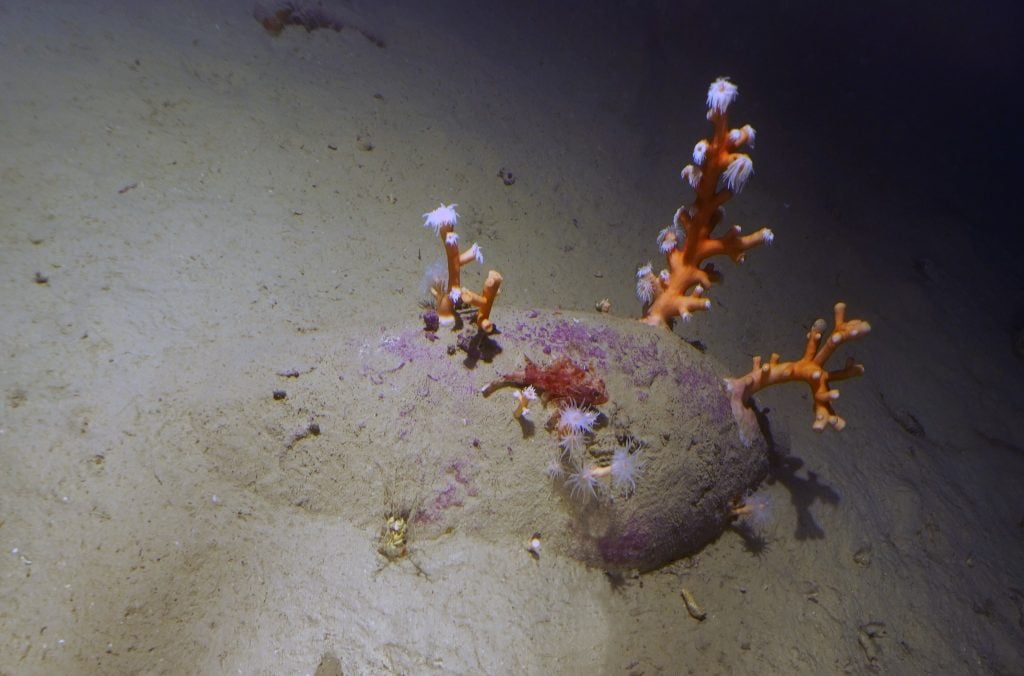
718	172
810	369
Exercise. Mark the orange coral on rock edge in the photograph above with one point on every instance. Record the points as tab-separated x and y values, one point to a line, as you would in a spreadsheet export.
450	296
718	172
810	369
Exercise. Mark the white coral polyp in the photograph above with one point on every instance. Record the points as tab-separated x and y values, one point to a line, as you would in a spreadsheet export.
700	152
736	136
738	172
720	94
691	175
645	289
443	215
669	238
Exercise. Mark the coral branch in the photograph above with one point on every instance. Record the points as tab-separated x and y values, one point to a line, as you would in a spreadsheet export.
810	369
718	172
448	294
483	301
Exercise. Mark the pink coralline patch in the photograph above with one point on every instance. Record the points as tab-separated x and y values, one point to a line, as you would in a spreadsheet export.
422	517
460	486
565	336
704	386
449	497
464	473
409	346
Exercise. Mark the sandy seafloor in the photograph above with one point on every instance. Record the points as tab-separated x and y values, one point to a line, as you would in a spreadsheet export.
210	205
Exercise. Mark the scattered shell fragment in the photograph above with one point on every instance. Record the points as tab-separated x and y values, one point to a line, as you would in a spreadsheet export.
534	546
696	612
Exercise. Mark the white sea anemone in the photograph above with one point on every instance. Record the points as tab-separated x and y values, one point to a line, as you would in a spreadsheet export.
625	469
582	483
478	253
720	94
738	172
572	442
455	294
756	510
643	271
451	239
555	469
435	279
768	236
575	418
443	215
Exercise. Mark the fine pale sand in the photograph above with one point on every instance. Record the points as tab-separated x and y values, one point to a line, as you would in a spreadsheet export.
194	213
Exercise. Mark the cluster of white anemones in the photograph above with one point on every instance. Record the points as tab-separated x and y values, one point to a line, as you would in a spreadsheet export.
578	469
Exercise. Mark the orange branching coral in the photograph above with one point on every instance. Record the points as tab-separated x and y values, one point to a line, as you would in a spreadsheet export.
810	369
449	294
718	172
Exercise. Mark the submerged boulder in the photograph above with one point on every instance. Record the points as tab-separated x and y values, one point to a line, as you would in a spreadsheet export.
391	419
